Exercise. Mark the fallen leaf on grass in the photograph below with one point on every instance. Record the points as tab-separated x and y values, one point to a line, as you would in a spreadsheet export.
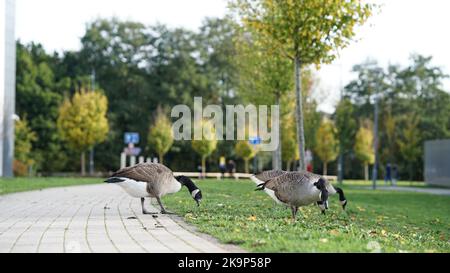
323	240
334	232
252	218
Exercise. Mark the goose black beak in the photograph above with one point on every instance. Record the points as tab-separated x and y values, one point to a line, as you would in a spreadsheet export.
198	202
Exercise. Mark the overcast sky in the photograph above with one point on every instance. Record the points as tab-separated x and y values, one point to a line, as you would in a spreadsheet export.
401	28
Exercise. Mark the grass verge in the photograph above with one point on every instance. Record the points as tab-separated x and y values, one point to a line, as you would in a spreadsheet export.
385	221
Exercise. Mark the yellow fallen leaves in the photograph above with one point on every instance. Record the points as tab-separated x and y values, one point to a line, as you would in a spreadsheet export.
252	218
360	208
334	232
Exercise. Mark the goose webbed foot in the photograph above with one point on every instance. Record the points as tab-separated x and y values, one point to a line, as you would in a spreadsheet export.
149	213
163	210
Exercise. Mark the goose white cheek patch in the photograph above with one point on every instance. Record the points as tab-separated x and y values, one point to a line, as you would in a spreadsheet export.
194	193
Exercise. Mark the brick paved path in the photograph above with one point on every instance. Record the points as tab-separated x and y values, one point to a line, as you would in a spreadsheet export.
97	218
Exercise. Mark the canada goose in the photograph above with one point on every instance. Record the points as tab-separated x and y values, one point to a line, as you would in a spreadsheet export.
152	180
296	189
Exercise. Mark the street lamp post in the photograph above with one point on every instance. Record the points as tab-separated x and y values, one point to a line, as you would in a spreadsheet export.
91	152
375	144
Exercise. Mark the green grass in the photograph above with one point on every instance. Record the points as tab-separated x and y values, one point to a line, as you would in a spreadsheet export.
396	221
38	183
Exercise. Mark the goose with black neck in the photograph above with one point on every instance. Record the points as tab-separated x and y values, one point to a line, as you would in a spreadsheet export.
153	180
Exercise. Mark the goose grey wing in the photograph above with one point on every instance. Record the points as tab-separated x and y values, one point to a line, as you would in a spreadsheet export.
268	175
285	184
145	172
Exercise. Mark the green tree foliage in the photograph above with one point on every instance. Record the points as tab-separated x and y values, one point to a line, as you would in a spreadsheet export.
305	31
412	90
364	148
289	141
246	151
264	78
208	144
160	137
410	142
23	141
38	95
346	128
327	144
82	122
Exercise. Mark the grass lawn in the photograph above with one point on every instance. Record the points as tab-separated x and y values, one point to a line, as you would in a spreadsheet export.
38	183
395	221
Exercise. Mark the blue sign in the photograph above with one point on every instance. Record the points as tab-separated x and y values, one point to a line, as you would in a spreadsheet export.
131	138
255	140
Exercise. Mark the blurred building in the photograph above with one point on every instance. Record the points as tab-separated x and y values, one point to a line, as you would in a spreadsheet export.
437	162
7	86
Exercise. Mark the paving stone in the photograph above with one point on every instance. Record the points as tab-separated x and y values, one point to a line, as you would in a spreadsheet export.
74	220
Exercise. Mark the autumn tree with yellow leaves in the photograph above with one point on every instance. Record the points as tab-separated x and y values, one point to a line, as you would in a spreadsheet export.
326	144
304	31
82	122
364	148
208	144
246	151
160	138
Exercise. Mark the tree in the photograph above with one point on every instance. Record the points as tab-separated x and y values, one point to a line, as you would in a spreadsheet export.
38	96
413	90
289	143
23	144
364	148
327	144
82	122
305	31
410	142
160	137
264	78
246	151
346	128
206	146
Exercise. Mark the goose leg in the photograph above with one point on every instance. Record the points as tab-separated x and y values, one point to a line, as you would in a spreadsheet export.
163	210
144	211
294	213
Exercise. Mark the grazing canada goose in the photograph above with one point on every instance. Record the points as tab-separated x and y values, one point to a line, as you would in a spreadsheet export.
152	180
296	189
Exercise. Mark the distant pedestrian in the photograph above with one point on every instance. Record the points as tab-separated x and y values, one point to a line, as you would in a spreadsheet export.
388	174
200	172
222	166
231	166
394	175
309	168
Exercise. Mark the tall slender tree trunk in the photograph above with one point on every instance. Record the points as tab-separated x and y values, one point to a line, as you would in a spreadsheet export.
341	166
299	114
366	171
203	166
161	158
276	155
83	164
246	165
325	168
